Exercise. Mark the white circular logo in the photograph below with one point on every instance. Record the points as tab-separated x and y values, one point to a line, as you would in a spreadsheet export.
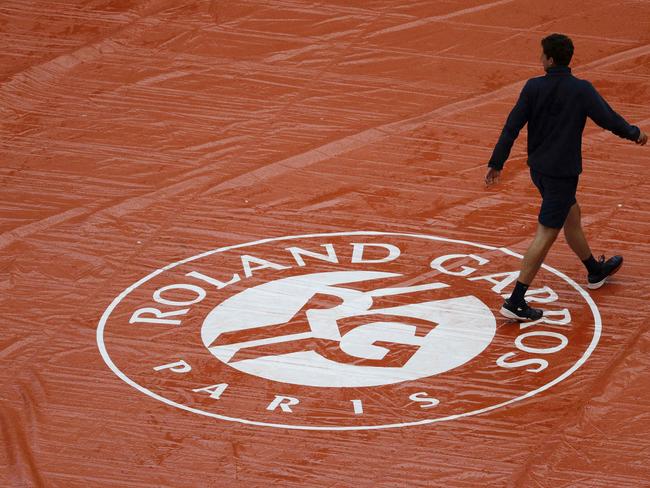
316	353
340	331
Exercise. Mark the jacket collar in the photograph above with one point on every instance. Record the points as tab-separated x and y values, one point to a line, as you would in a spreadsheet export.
558	70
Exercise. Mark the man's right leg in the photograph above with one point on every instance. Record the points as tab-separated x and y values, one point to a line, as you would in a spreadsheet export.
575	237
598	271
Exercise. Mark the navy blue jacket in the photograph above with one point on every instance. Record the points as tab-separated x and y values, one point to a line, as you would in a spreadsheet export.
556	107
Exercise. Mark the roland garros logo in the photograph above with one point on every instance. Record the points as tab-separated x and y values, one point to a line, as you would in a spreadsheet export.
343	331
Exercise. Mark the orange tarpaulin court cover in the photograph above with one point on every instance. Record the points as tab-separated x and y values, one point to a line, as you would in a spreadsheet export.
248	243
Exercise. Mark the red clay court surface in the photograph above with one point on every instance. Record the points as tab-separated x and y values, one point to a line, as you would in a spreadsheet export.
248	243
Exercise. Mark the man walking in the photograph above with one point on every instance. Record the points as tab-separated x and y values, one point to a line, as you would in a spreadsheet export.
556	107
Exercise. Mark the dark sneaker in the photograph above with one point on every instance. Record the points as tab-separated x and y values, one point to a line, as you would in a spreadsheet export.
521	311
607	269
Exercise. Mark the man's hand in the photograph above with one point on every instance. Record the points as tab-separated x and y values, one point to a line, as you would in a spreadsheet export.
492	176
643	138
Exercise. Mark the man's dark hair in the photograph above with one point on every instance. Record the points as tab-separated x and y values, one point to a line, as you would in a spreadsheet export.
559	47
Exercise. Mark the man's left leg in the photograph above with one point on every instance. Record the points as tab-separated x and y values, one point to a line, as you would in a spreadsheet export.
536	253
516	307
558	197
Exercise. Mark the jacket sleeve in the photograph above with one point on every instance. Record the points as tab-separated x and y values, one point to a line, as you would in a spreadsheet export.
599	111
515	122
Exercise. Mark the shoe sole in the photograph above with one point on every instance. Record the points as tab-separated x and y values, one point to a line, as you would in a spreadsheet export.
509	315
595	286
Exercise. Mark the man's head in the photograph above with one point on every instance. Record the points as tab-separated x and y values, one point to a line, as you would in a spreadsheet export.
557	50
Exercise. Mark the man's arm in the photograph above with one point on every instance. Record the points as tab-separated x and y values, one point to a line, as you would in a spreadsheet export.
516	120
600	112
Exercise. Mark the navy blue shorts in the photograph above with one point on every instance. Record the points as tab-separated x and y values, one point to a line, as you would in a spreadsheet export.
558	196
